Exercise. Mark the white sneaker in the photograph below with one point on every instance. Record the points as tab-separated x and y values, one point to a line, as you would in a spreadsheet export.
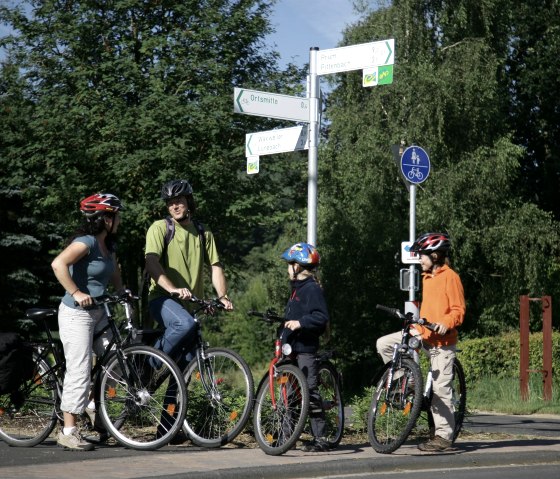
73	442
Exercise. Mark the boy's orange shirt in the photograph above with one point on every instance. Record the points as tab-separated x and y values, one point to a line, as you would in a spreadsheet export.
443	301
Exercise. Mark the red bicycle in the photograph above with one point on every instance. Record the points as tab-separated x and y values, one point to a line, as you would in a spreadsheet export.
282	400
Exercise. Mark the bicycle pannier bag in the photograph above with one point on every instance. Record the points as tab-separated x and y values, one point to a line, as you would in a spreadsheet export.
16	362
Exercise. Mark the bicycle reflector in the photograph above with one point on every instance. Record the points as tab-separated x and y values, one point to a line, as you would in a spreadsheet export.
286	349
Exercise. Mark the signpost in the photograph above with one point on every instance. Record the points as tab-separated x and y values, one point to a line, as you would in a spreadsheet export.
324	62
277	141
376	58
415	167
356	57
271	105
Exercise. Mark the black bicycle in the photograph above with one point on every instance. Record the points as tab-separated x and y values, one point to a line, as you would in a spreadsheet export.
138	390
282	400
219	385
400	394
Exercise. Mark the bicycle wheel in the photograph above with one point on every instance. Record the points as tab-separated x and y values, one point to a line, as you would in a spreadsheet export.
29	415
395	407
459	396
331	392
219	397
458	401
142	398
279	420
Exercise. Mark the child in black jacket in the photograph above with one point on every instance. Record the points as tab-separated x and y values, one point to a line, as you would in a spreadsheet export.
307	317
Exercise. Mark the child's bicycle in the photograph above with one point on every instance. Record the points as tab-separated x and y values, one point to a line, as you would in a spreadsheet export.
282	400
128	400
219	385
399	396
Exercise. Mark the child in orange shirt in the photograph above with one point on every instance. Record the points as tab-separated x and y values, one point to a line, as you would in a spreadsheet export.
443	304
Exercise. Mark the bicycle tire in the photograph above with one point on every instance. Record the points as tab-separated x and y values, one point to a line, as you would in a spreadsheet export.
277	429
217	416
330	389
458	400
29	416
395	408
142	407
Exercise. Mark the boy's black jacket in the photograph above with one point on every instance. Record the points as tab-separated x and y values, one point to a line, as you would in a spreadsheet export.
306	305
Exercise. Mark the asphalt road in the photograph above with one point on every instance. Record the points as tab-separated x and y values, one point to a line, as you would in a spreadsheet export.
522	441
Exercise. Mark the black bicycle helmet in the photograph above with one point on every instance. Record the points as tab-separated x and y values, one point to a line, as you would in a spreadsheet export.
431	242
175	188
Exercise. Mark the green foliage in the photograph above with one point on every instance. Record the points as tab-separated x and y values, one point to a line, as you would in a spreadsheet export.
451	94
24	250
499	355
121	96
360	404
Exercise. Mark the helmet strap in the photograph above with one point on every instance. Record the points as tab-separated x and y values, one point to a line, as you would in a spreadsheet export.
295	273
186	217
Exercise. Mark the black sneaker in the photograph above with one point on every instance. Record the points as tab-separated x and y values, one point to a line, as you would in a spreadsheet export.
317	445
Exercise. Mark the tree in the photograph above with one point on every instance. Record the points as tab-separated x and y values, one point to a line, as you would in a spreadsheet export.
451	94
121	96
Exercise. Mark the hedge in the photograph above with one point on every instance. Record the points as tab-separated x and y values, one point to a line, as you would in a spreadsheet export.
499	356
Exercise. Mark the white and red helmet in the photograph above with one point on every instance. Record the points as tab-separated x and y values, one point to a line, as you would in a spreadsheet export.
431	242
100	203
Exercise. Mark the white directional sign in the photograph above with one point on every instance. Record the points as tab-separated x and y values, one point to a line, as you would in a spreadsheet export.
356	57
272	105
277	141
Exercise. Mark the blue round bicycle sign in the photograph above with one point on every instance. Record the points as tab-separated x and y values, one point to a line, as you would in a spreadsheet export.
415	164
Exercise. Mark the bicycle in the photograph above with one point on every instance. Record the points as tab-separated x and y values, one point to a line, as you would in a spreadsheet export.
133	385
400	397
219	385
282	399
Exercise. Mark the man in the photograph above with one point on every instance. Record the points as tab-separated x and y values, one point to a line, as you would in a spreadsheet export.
175	263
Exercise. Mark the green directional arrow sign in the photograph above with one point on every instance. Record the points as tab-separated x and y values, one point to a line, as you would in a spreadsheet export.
271	105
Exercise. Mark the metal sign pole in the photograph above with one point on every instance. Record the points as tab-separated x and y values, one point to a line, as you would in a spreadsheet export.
412	237
314	119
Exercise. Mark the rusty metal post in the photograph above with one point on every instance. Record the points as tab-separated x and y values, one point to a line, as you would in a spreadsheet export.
547	347
524	347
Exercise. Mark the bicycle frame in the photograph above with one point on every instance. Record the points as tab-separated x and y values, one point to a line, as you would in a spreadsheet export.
51	346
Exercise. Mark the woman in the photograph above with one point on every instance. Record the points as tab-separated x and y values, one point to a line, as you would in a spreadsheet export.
84	269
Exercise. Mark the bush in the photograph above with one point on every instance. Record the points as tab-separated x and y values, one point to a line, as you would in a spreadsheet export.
499	356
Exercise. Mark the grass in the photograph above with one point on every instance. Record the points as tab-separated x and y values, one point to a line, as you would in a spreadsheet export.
503	395
489	393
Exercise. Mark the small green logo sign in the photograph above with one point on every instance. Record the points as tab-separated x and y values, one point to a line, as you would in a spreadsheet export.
385	75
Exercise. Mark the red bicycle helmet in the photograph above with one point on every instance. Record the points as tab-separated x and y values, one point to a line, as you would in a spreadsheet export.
430	242
303	254
100	203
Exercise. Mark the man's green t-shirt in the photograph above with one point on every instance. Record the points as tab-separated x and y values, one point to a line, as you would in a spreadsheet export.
184	263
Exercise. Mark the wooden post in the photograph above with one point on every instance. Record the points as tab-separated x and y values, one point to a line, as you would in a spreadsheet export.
546	371
547	347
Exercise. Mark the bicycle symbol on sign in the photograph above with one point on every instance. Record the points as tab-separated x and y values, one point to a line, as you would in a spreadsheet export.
415	173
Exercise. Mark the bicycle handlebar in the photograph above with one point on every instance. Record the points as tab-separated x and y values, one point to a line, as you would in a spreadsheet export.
269	316
406	317
125	297
208	305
